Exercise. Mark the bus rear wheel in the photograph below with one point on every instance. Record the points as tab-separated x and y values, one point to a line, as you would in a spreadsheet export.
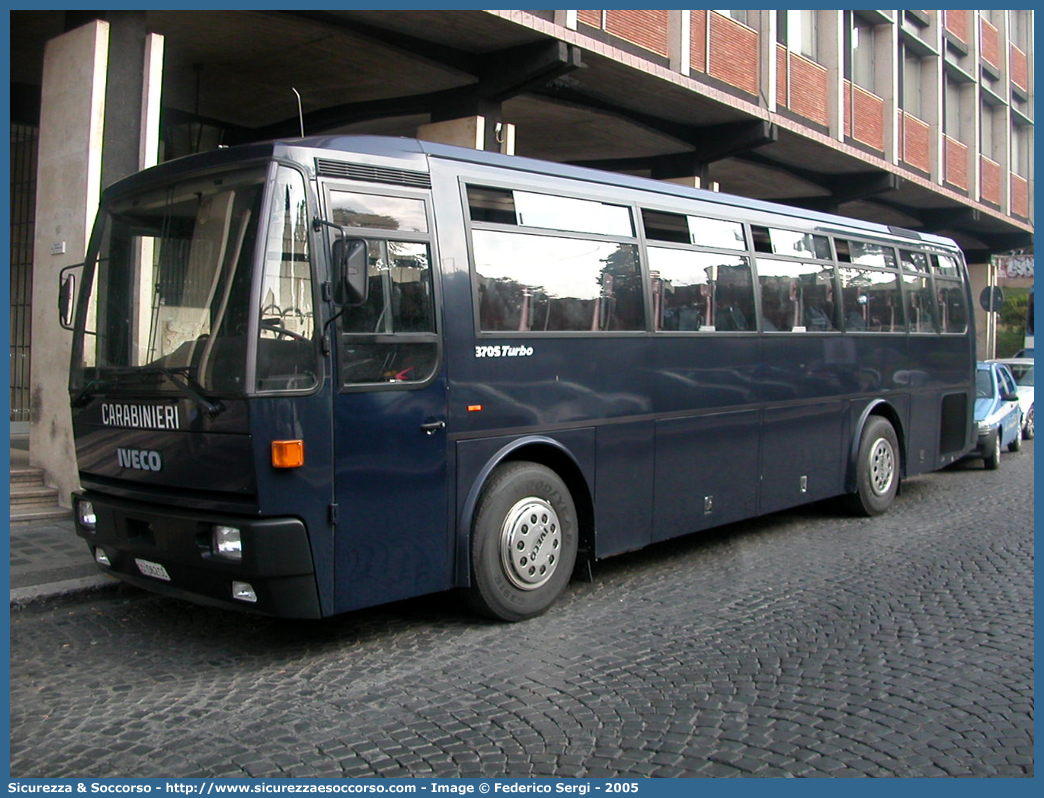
523	542
877	469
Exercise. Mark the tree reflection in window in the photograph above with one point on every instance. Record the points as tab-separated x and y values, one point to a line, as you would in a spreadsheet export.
530	283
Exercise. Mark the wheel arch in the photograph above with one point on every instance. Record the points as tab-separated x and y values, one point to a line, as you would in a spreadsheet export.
883	409
544	451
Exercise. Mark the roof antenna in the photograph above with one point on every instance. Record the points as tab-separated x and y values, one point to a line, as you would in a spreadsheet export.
300	113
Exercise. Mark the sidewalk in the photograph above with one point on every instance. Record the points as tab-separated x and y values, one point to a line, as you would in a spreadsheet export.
48	559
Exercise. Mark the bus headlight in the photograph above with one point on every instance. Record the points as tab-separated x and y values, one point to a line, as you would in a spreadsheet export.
85	511
227	542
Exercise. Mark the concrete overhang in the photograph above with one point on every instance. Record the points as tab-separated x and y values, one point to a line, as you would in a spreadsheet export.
572	99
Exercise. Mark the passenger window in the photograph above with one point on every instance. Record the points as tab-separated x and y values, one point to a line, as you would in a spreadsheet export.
1008	384
919	303
547	211
946	266
392	338
550	284
871	300
378	212
952	306
913	261
572	215
698	230
790	243
864	254
701	291
796	297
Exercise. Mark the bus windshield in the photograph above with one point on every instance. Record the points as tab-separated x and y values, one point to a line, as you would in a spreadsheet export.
169	290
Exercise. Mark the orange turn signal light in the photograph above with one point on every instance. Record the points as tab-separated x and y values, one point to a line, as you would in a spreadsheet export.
287	454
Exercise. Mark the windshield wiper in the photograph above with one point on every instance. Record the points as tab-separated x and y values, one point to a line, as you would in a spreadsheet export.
92	386
184	383
189	387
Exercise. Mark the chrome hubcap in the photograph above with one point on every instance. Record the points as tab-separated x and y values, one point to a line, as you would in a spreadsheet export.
530	543
882	466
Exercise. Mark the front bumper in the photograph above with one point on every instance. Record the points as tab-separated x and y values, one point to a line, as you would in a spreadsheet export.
276	562
982	442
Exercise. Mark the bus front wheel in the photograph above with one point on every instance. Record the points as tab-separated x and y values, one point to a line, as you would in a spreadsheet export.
523	542
877	469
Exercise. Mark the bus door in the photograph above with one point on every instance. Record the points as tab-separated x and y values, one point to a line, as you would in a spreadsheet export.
389	413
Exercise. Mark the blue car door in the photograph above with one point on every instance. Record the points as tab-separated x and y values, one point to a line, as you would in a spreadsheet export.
1011	424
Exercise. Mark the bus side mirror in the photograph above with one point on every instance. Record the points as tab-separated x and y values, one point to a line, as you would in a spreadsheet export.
351	279
67	296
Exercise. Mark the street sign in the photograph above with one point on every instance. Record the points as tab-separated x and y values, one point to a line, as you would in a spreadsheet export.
991	299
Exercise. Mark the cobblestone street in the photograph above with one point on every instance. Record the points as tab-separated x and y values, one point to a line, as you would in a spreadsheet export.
803	644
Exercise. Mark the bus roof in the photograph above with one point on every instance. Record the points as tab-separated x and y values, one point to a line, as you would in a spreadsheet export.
409	149
413	154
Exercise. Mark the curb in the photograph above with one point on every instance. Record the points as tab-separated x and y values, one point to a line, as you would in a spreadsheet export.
24	596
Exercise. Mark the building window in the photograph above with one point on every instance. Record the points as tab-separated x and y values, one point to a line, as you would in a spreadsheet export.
744	16
1020	150
987	138
953	122
797	30
912	101
863	71
1021	28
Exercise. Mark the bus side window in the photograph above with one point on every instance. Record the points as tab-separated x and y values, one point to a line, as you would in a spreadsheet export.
952	306
541	283
694	291
796	296
918	299
871	300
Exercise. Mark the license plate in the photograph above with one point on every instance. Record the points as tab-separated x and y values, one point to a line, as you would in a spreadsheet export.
153	569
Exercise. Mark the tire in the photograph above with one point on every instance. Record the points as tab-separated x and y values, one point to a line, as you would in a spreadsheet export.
1027	429
1016	442
877	469
523	542
991	456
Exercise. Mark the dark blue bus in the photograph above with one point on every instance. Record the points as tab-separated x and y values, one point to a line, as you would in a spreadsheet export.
316	375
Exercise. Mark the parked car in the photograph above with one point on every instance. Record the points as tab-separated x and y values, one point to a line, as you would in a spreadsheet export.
1022	370
997	414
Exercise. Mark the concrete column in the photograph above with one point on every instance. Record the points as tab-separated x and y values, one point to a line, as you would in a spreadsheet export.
933	87
567	19
767	30
678	41
1002	127
832	56
151	91
123	96
886	66
99	121
466	132
694	182
72	111
470	132
979	275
